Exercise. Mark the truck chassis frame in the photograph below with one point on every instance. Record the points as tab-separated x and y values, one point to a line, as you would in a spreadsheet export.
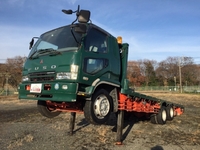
140	105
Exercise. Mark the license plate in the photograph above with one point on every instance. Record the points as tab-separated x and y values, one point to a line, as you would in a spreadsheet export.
36	88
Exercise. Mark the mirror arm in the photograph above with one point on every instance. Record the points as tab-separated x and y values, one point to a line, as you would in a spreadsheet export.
74	36
77	14
75	20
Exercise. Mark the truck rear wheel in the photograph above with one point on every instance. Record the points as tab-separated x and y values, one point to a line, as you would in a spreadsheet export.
44	110
159	118
97	111
162	116
170	112
153	118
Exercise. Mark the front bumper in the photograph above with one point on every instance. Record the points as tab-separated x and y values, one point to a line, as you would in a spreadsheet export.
58	91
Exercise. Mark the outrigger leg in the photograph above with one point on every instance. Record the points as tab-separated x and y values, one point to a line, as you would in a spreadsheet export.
72	122
120	124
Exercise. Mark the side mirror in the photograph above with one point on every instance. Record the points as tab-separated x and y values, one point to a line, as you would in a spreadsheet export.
84	16
67	11
31	43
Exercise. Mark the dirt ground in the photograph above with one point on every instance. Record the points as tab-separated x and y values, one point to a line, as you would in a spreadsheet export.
22	127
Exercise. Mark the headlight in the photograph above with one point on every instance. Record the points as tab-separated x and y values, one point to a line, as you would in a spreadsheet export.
63	75
25	78
74	71
74	76
68	75
74	68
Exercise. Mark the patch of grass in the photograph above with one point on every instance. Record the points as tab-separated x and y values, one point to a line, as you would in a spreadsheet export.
20	141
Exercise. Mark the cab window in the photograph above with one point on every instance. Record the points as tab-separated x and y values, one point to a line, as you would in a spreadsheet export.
94	65
96	41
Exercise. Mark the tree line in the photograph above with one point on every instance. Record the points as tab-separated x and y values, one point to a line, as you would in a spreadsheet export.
140	73
165	73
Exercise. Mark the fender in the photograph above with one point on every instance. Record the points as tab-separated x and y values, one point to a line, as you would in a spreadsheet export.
113	93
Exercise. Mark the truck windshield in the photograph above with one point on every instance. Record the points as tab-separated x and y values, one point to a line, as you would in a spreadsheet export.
56	41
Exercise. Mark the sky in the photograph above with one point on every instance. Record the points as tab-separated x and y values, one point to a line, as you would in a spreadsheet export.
154	29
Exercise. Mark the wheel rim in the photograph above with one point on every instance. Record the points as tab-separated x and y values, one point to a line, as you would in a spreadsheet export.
164	115
101	106
171	112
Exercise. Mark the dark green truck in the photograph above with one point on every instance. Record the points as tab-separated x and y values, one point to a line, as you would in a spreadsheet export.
82	68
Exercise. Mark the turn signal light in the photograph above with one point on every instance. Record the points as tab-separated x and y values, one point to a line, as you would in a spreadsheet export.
27	87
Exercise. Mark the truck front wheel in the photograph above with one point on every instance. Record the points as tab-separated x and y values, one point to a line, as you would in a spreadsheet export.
45	111
97	111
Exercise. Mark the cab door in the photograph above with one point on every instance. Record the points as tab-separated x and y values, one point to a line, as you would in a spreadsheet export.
95	56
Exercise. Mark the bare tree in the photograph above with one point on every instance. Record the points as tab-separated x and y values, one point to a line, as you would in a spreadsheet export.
3	69
147	68
168	70
134	74
14	70
189	71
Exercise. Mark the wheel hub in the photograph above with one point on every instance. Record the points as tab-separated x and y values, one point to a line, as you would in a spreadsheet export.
171	112
101	106
164	115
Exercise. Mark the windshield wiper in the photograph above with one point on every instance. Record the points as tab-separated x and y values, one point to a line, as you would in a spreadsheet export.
42	51
51	51
55	52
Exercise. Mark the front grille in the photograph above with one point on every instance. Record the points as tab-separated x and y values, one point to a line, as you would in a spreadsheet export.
42	76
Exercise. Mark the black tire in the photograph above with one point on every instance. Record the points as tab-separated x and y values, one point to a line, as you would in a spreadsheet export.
98	109
43	109
162	116
170	112
153	119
